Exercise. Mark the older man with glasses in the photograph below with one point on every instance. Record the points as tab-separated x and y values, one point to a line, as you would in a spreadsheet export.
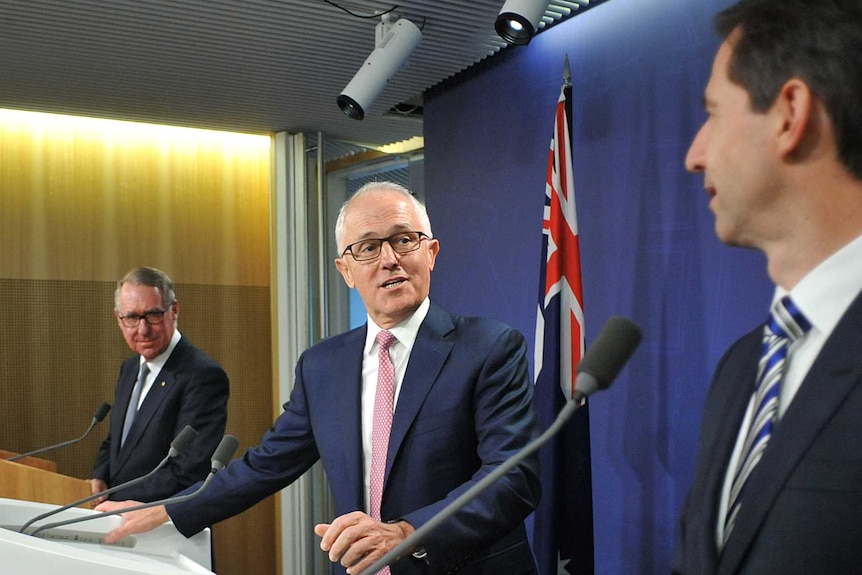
167	385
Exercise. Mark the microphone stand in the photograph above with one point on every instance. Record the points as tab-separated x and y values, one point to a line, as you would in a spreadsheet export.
220	458
596	370
169	500
178	446
406	546
97	418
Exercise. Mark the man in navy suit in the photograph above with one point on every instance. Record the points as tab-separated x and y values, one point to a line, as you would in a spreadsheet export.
463	405
182	386
781	154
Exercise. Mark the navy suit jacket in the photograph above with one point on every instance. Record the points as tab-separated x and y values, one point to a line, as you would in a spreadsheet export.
464	407
191	389
802	508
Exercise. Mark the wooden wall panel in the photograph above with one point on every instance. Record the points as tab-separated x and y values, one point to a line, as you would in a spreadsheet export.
88	201
81	204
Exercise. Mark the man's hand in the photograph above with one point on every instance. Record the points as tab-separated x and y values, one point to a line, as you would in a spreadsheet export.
97	486
135	521
356	540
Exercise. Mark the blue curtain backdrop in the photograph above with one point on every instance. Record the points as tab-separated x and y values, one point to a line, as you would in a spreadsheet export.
648	249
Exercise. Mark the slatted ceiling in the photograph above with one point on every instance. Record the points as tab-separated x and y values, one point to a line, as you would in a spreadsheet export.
249	66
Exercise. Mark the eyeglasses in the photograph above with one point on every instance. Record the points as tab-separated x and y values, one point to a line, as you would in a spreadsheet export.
152	317
369	248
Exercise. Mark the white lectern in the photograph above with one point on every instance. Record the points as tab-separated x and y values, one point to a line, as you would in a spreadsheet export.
75	549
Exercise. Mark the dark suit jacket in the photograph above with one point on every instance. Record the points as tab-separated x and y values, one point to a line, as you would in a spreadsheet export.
802	508
465	406
191	389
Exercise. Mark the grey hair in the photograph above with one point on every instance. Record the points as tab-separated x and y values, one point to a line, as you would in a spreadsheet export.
418	206
151	277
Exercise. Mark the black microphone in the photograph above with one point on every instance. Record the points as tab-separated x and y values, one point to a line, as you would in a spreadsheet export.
97	417
603	362
600	365
221	457
178	446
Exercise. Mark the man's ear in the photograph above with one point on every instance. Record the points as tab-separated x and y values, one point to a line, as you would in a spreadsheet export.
344	270
795	106
433	250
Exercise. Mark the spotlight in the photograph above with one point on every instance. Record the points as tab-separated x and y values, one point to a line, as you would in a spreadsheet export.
519	19
393	43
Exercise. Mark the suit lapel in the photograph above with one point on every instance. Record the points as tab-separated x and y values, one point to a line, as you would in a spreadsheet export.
429	353
163	384
730	408
834	374
720	428
347	410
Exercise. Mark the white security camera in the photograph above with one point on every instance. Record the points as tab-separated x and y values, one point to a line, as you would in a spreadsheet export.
393	44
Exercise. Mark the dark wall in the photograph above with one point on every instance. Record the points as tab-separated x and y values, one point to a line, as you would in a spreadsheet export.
647	243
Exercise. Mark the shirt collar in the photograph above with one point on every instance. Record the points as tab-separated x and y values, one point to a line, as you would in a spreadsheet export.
825	293
405	332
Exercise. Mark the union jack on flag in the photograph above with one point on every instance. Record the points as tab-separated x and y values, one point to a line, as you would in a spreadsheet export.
562	269
563	522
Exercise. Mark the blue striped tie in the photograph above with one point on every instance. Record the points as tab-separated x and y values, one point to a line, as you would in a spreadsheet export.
786	324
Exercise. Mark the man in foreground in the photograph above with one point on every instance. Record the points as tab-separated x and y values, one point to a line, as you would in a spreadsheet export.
778	481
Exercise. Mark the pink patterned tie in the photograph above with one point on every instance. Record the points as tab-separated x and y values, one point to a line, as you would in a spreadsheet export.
384	399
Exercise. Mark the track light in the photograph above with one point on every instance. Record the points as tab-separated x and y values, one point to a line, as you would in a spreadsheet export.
393	43
519	19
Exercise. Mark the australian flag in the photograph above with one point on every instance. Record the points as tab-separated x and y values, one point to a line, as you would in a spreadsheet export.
563	522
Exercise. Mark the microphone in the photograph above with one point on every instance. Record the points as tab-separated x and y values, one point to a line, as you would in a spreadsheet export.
221	457
178	447
600	365
97	417
603	362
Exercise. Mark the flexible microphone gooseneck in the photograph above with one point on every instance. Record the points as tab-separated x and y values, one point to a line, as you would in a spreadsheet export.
221	457
178	446
97	417
596	371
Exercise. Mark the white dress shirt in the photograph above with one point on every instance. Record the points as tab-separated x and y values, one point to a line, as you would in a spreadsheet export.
399	352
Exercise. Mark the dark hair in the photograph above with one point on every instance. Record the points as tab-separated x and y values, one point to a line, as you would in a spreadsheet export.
150	277
817	41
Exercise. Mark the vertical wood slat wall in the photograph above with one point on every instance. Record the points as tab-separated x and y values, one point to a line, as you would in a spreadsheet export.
81	203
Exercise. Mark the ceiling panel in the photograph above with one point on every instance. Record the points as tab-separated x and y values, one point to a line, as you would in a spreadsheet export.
242	65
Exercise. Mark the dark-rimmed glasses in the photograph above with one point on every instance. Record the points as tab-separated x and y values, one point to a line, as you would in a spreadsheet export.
152	317
370	248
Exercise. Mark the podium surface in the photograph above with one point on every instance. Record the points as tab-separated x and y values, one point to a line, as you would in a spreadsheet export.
75	549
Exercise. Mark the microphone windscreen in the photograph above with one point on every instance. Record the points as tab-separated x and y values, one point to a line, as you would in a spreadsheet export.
224	452
185	438
102	412
611	350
